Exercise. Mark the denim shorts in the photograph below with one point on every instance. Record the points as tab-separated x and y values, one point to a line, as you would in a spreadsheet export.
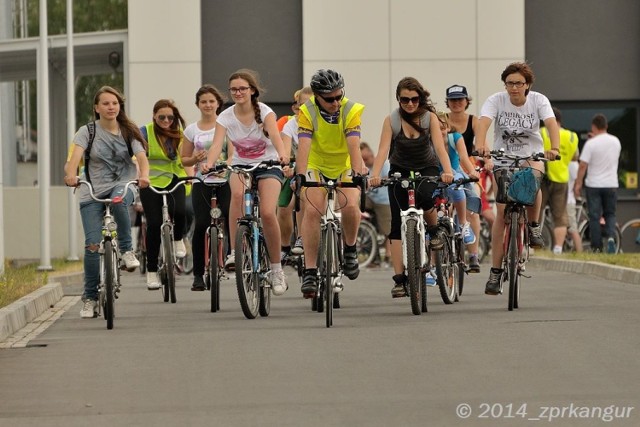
262	173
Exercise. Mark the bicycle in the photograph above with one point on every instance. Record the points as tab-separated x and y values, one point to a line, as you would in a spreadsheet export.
416	254
369	241
516	233
214	248
450	265
109	285
252	263
141	243
632	224
330	255
166	257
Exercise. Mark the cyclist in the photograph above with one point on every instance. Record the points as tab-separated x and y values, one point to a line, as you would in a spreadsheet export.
329	148
412	141
289	134
516	114
109	165
164	136
250	126
198	138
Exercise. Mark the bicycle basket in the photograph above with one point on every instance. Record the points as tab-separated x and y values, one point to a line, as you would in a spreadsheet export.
503	178
524	187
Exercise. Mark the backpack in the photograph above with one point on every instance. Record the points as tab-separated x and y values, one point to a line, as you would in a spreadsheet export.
396	125
91	126
524	187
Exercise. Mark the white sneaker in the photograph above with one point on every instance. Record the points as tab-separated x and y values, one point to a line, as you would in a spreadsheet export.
89	309
153	283
179	249
297	247
230	262
557	250
130	261
278	283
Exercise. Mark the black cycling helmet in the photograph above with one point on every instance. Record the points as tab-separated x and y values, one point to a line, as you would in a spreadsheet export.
326	81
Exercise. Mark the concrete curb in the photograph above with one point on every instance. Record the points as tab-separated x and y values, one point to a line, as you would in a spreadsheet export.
606	271
18	314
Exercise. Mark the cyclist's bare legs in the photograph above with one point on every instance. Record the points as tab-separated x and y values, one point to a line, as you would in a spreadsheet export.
269	189
497	235
236	206
285	221
396	256
348	202
316	200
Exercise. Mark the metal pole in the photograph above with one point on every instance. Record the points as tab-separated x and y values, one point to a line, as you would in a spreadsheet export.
71	128
44	157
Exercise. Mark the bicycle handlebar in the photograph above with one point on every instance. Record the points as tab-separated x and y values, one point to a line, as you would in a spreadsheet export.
433	179
358	181
500	154
115	200
182	180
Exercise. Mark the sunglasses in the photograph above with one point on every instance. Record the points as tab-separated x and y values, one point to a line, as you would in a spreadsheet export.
404	100
332	99
162	118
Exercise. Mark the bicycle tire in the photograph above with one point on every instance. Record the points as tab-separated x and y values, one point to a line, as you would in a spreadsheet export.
246	282
109	279
141	251
423	280
585	235
212	269
512	260
330	265
264	307
414	269
366	243
446	271
461	266
317	303
630	239
169	263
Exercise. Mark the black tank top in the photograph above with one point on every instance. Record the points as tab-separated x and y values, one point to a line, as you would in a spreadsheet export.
413	154
468	135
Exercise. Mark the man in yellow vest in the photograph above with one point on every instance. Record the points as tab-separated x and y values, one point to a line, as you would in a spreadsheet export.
329	148
555	185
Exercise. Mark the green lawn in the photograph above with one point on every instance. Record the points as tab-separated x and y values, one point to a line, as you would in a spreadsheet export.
623	260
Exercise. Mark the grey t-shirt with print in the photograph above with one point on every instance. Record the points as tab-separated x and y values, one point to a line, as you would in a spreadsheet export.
109	164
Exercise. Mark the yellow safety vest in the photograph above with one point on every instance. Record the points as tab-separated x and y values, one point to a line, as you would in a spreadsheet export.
161	168
558	171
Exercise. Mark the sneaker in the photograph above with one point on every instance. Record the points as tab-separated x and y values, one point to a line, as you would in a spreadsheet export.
153	283
297	247
89	309
493	284
557	250
430	278
198	284
309	286
179	249
611	246
230	262
130	261
399	290
283	258
535	237
474	264
278	282
351	269
467	234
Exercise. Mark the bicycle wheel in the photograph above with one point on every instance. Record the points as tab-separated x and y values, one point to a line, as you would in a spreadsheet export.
547	235
246	282
141	251
446	272
630	236
169	263
212	270
585	234
109	282
330	266
366	243
265	283
461	266
414	269
515	239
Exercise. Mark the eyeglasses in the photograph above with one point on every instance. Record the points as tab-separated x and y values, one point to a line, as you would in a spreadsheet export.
514	84
404	100
241	89
332	99
162	118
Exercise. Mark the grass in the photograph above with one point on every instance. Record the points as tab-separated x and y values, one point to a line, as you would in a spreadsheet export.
17	282
631	260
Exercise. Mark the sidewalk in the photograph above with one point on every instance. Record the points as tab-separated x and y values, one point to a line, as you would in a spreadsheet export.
592	268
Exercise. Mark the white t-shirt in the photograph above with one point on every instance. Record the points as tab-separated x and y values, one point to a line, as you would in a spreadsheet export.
601	153
250	143
517	129
573	174
202	140
291	129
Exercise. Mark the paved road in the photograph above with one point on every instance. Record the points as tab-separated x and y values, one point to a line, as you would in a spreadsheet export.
570	351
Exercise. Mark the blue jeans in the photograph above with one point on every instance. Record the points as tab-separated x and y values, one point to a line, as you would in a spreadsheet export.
601	202
92	213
